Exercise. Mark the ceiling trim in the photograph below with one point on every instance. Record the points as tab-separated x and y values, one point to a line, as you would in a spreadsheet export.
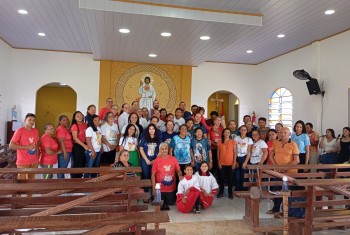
220	62
170	11
189	8
38	49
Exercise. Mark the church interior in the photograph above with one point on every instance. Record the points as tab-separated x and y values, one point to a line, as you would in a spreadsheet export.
229	56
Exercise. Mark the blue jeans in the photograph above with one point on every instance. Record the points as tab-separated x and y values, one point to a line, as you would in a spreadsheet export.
240	174
146	171
92	162
63	163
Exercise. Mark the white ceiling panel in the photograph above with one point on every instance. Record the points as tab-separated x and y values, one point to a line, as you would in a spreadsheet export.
70	28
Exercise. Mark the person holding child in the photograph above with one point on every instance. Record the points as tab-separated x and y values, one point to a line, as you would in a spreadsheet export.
208	185
188	192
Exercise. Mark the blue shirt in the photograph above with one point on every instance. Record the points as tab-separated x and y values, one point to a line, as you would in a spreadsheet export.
181	147
151	149
200	149
201	126
301	140
166	137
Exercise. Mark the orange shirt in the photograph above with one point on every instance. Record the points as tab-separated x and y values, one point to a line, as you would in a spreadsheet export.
227	152
284	153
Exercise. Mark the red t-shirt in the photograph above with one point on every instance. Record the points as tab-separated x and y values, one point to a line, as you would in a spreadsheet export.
269	147
48	142
215	136
62	132
81	130
166	169
103	112
26	137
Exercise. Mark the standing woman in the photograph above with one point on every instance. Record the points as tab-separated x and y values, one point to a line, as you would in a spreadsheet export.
110	137
226	161
94	142
129	142
49	149
272	139
328	144
115	111
215	134
244	150
343	146
301	138
65	141
91	111
25	141
134	119
149	148
78	129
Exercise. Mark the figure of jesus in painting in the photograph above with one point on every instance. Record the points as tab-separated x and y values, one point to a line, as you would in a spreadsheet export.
147	92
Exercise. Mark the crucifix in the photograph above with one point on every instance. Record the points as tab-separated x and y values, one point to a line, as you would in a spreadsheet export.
216	100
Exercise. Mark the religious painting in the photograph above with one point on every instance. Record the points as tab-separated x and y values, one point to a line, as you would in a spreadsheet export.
145	83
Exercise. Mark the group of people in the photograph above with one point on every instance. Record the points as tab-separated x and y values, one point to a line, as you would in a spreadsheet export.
192	157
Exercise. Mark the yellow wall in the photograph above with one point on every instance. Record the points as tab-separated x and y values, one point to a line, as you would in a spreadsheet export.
167	81
212	105
51	102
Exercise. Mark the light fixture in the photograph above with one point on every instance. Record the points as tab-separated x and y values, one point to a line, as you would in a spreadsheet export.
204	38
152	55
166	34
124	30
249	51
329	12
41	34
23	12
237	102
63	84
281	35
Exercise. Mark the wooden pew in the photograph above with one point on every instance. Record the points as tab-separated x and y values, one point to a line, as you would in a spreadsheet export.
261	180
7	158
104	205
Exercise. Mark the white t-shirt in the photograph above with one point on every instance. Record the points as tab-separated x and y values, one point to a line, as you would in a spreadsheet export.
96	138
129	144
257	152
329	146
123	120
178	123
110	133
242	145
143	122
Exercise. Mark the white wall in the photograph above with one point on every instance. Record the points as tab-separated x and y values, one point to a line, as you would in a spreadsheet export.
5	87
33	69
25	71
237	79
327	60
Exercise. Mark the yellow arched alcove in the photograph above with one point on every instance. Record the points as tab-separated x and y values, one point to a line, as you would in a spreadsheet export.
53	100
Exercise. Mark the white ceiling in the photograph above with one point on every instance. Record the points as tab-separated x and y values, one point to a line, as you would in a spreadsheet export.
85	29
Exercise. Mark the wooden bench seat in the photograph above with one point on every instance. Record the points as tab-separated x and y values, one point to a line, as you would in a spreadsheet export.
108	204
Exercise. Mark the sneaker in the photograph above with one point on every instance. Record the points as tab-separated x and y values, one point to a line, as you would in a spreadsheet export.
219	195
230	196
166	207
197	210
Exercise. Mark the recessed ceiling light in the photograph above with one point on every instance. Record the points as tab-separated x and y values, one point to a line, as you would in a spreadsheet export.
249	51
165	34
23	12
329	12
124	30
281	35
204	38
41	34
152	55
63	84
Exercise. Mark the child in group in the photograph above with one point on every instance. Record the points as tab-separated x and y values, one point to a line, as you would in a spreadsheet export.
188	191
208	185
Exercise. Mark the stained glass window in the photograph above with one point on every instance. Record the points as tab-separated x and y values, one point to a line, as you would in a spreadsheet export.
281	108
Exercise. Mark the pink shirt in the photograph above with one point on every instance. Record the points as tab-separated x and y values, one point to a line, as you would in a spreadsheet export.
103	112
62	132
81	131
26	137
48	142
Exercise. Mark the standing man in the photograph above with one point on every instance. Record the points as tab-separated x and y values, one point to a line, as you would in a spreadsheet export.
108	108
25	141
314	139
155	107
284	152
182	106
123	118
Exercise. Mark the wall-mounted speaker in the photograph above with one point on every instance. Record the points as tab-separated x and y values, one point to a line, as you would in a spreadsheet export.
313	86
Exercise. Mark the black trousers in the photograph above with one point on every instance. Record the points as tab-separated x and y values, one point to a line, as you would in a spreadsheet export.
226	175
78	159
